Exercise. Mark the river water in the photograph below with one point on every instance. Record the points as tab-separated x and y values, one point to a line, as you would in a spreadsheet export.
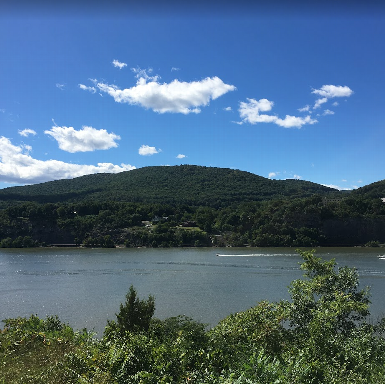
84	287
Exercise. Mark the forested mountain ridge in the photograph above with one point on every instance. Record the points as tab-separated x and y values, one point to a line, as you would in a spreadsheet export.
185	184
373	190
189	206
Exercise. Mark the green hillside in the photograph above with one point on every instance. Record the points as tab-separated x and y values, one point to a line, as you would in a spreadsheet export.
374	190
185	184
189	206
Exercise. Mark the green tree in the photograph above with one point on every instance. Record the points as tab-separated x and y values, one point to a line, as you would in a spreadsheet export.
331	339
327	293
135	314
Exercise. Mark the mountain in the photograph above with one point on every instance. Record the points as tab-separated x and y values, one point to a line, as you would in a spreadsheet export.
374	190
184	184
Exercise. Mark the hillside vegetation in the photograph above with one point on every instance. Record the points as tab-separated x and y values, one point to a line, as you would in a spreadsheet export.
185	184
189	206
374	190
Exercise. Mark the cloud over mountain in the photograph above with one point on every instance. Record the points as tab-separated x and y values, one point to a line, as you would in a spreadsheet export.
18	166
175	97
250	113
146	150
83	140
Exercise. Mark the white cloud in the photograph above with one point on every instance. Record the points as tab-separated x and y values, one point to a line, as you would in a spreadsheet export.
273	174
27	132
146	150
17	166
84	140
144	74
250	113
330	91
175	97
180	156
227	109
306	108
118	64
175	69
85	88
335	104
319	102
28	148
338	187
294	122
60	86
297	177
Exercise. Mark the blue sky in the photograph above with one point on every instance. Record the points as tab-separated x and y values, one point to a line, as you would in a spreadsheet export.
279	91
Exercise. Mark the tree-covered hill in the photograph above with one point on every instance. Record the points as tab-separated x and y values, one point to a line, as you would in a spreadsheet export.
185	184
374	190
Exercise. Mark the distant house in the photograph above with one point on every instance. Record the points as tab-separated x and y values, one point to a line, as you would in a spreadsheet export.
158	219
327	200
189	224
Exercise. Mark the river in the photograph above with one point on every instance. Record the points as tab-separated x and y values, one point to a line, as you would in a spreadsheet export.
84	287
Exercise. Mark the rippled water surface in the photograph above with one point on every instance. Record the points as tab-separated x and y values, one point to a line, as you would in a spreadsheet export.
85	286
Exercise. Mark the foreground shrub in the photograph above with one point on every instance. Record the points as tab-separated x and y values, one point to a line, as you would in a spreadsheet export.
33	350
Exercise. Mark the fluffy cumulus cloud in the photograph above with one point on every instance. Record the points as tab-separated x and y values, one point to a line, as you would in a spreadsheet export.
118	64
329	92
174	97
27	132
18	166
84	140
250	112
294	122
180	156
146	150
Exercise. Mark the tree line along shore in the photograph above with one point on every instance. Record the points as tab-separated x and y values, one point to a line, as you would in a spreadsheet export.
312	221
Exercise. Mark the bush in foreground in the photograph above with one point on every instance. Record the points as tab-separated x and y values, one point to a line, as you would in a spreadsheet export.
322	335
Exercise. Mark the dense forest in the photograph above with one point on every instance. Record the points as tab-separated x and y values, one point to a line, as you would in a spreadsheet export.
323	334
189	206
185	184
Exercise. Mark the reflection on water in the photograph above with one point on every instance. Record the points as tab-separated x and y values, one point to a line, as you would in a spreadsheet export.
85	286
